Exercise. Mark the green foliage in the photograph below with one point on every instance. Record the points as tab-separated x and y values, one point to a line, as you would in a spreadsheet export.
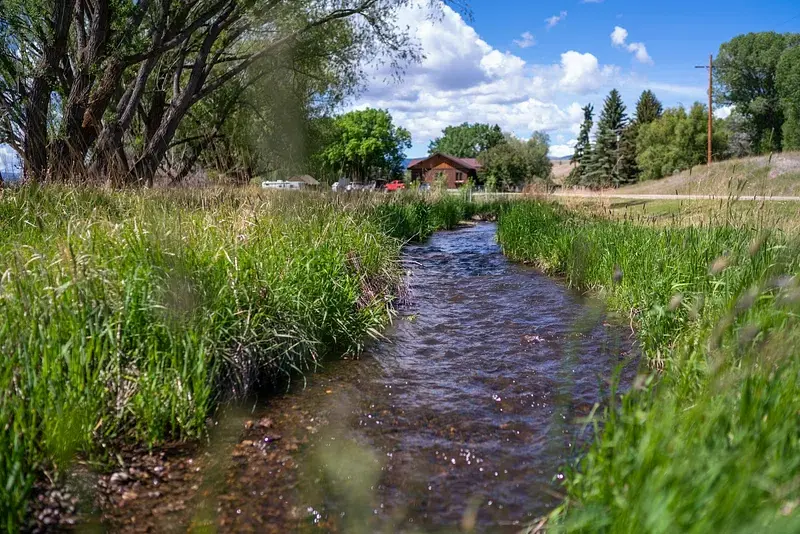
583	147
270	121
515	162
467	140
745	76
627	169
678	141
603	167
92	92
706	438
366	143
788	81
648	108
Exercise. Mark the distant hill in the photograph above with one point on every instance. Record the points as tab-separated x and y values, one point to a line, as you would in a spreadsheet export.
562	158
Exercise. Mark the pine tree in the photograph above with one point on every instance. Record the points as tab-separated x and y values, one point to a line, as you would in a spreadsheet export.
648	108
582	148
627	169
603	168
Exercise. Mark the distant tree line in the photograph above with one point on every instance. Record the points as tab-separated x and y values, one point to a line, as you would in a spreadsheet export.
757	74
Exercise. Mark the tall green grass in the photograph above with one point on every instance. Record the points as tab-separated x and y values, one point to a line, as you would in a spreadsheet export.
707	439
130	316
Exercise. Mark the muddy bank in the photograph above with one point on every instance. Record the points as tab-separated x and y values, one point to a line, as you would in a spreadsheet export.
459	419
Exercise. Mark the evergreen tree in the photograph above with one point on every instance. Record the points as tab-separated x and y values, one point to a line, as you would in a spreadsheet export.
648	108
601	165
603	168
627	169
583	147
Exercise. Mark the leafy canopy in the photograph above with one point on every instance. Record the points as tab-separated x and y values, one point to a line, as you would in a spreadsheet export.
515	162
366	142
677	141
788	80
745	76
467	140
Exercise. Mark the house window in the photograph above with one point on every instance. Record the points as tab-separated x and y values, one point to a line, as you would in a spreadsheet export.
459	177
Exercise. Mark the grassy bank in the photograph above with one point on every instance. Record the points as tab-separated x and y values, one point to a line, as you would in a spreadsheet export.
708	437
775	175
131	316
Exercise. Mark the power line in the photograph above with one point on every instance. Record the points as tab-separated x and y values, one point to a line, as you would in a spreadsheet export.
788	20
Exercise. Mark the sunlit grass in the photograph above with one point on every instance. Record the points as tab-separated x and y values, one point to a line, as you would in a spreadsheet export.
782	215
770	175
131	316
707	439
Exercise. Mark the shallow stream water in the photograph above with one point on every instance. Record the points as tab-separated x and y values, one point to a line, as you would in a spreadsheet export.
459	420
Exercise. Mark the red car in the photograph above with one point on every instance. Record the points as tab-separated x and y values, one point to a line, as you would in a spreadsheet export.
395	185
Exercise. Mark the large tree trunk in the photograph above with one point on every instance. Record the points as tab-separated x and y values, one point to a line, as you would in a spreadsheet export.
38	106
35	145
144	170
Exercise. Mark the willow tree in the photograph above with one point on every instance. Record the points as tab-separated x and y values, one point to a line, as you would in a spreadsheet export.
97	88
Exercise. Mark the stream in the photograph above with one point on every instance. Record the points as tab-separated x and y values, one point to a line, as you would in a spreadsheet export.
460	419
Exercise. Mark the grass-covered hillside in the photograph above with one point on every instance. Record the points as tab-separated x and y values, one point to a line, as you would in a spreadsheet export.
776	175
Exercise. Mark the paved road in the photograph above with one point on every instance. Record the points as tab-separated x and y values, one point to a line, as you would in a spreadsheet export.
601	195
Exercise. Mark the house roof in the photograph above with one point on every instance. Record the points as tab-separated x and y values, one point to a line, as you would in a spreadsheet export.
469	163
305	178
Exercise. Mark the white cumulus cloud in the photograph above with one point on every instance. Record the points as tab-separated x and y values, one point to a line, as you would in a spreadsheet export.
464	79
526	40
619	38
565	149
555	19
581	73
723	112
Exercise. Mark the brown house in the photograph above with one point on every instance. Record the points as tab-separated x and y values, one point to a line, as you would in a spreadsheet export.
455	171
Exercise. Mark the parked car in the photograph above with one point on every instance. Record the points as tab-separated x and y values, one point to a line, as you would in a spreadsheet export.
395	185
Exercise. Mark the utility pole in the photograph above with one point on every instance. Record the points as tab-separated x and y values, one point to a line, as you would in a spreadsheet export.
710	68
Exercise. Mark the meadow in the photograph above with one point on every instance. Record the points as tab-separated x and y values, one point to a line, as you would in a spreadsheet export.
131	317
707	437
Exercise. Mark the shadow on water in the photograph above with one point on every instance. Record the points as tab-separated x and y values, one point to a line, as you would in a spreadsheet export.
458	420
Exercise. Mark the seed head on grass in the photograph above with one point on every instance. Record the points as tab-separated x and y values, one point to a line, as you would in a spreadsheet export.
757	244
697	307
719	265
675	302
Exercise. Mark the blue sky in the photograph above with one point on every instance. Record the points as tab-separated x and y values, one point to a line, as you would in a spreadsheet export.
530	65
